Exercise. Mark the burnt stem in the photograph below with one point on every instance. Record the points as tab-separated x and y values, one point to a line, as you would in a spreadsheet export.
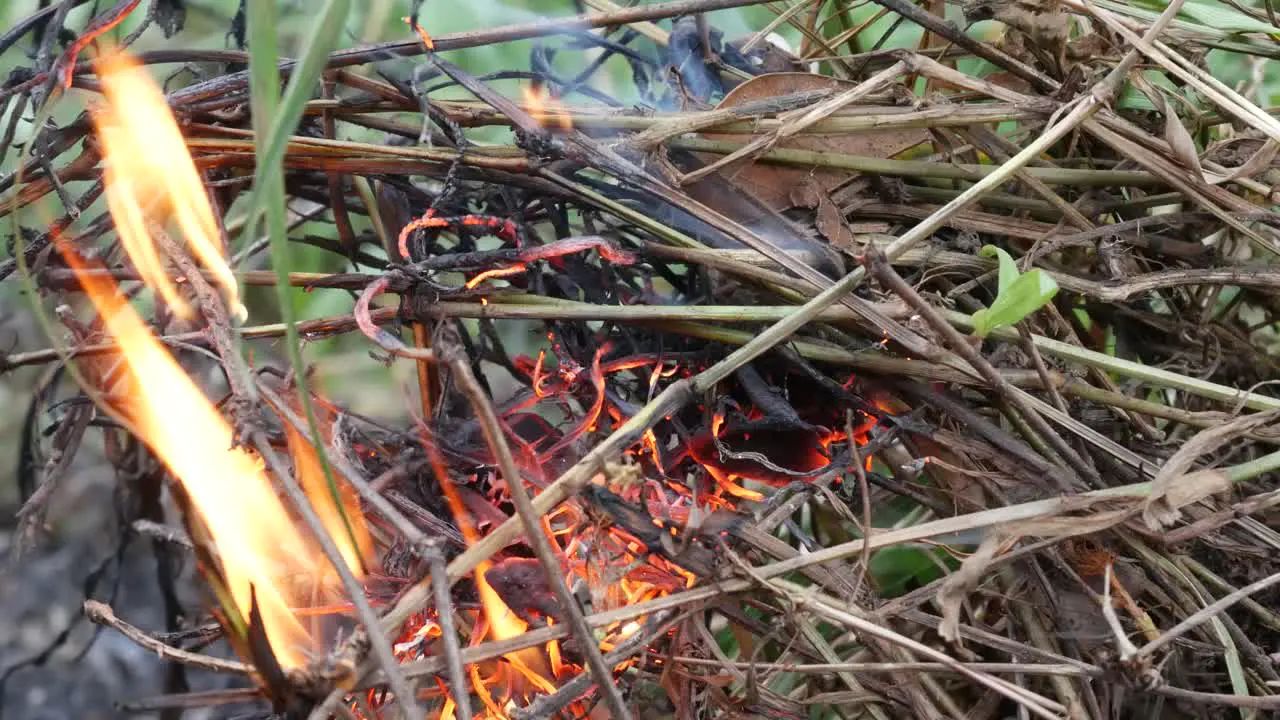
492	428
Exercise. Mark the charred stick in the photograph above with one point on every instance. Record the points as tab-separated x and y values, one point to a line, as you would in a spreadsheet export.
766	400
548	706
98	26
378	643
51	30
528	516
101	614
523	121
448	633
29	23
380	337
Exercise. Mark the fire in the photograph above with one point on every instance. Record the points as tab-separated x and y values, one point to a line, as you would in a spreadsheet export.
256	540
306	463
151	179
545	109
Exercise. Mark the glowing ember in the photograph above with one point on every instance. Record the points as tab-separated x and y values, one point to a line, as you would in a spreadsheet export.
151	179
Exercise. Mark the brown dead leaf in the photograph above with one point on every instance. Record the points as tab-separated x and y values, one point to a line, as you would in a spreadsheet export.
1181	143
972	572
830	221
1256	163
772	184
977	567
1173	488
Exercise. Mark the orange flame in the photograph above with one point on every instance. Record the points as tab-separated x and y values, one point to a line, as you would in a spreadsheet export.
256	540
545	109
306	464
150	179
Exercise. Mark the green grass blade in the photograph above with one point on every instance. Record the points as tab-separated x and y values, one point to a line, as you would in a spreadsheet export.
268	191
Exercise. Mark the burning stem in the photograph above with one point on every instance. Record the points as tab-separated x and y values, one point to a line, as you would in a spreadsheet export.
448	633
528	516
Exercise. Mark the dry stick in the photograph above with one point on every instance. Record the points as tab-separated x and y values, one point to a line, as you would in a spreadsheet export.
491	426
796	121
890	279
448	633
830	607
681	392
893	667
101	614
1206	613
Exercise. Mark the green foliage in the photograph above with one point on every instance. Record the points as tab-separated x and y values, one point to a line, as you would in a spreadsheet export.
268	193
1217	16
1020	294
896	570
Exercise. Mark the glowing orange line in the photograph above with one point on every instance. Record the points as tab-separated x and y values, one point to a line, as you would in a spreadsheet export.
115	17
495	273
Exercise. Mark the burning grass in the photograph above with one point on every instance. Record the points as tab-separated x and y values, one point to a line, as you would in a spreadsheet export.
753	463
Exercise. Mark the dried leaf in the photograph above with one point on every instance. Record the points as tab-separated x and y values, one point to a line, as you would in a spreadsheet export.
1181	143
976	568
773	184
1257	162
1173	488
170	15
830	221
963	581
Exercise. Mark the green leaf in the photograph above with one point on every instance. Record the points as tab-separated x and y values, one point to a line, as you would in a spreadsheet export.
268	186
1030	292
1131	98
1008	268
1194	15
302	81
895	568
1222	17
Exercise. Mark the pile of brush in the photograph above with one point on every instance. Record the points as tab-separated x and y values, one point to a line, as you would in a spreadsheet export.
748	379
